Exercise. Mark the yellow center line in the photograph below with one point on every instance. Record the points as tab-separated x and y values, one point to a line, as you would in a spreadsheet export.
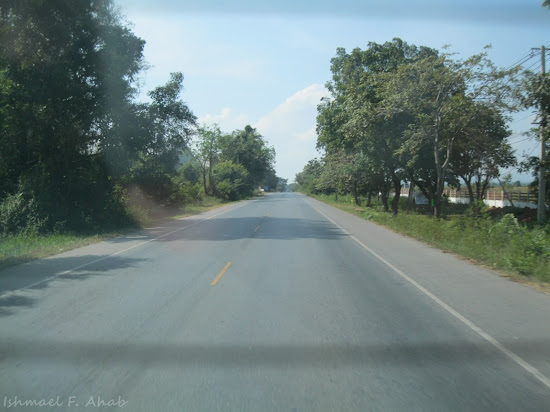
220	274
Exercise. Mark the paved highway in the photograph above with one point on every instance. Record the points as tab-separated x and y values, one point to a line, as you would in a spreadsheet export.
275	304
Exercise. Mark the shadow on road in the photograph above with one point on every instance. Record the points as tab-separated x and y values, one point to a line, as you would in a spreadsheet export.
413	354
40	273
266	227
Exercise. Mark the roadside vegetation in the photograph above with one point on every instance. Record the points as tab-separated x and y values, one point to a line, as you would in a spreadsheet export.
80	156
506	239
400	114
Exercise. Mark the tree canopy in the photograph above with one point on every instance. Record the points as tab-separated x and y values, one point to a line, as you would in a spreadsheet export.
400	113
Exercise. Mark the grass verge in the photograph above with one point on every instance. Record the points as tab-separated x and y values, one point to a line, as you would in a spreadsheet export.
21	248
503	244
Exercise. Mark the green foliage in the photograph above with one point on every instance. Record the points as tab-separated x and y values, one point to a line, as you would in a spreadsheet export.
249	148
206	151
307	180
232	180
191	172
186	192
71	136
282	184
537	95
477	209
20	214
501	242
400	113
73	64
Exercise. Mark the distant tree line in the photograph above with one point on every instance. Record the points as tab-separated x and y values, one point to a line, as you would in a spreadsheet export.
73	138
402	114
231	166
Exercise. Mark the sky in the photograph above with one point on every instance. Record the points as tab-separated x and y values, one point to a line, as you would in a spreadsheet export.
265	63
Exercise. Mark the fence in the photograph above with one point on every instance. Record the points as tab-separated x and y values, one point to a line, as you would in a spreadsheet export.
493	197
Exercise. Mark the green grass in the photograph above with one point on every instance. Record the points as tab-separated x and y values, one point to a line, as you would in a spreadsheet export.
21	248
501	243
208	203
18	249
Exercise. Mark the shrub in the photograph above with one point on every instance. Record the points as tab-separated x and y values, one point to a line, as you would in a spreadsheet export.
231	181
20	214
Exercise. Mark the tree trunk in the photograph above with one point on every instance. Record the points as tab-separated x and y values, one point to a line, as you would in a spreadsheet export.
411	193
204	180
369	198
440	167
437	206
470	190
355	198
478	187
484	189
211	179
506	195
385	200
395	201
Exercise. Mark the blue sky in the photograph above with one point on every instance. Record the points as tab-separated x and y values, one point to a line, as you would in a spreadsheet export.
266	63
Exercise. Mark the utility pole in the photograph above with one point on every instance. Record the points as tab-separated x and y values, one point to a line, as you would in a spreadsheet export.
541	207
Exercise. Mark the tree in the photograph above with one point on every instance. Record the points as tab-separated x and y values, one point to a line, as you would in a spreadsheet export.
437	93
537	95
271	180
282	185
231	180
65	67
248	148
482	150
207	151
306	180
351	120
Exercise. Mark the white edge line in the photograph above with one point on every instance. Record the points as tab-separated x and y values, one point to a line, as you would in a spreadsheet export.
66	272
517	359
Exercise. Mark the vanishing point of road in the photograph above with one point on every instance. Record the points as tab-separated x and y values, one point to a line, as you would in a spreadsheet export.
280	303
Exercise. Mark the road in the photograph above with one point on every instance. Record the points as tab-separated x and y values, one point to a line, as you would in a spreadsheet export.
281	303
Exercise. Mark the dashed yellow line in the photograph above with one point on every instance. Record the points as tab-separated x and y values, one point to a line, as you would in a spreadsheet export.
220	274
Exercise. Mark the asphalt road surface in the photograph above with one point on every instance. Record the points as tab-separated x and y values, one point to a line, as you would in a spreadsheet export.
276	304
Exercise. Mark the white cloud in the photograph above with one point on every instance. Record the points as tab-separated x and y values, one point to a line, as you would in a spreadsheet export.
227	119
290	128
308	136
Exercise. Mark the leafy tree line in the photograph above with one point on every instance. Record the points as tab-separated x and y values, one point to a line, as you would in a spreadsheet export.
73	138
400	113
230	166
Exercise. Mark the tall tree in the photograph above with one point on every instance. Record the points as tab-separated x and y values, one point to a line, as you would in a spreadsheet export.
163	131
248	148
482	150
207	150
536	90
350	120
64	67
437	93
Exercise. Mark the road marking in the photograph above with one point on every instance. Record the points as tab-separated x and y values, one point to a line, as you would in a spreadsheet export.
66	272
220	274
517	359
257	227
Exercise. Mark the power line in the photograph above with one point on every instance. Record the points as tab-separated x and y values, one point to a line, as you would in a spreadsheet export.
532	150
533	65
522	140
523	118
527	57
